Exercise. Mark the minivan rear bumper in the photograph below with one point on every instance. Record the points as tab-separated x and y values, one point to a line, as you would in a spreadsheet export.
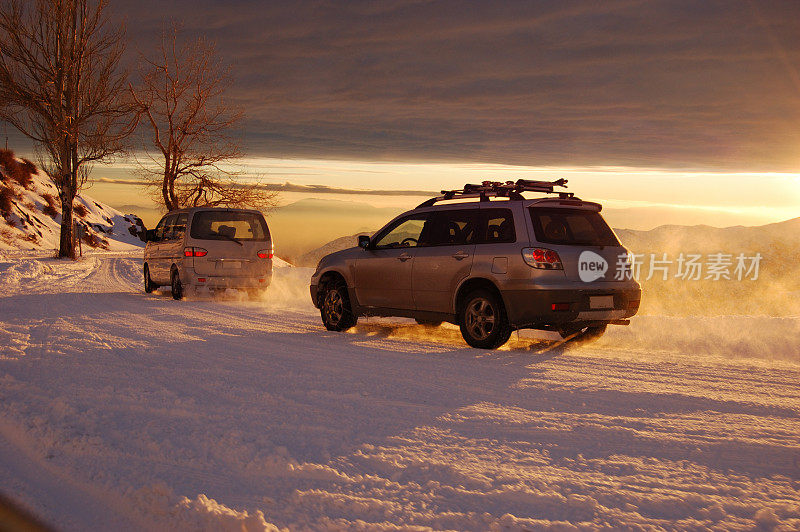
219	282
537	308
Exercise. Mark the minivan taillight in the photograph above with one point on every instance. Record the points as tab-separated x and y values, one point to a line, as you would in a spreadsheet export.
195	252
265	254
544	259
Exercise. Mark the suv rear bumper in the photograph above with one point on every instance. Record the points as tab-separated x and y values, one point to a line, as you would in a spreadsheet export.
534	308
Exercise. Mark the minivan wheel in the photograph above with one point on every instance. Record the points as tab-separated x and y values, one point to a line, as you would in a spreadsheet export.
149	286
337	314
483	321
177	286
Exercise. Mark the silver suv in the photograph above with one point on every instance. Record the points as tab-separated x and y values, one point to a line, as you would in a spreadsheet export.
489	260
209	247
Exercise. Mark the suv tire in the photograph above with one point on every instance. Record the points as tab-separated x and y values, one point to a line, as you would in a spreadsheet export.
177	286
483	320
335	309
149	285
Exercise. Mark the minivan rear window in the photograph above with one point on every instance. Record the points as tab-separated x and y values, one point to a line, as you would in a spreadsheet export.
571	227
229	225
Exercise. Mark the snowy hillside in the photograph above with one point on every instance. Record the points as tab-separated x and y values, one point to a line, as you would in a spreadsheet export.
30	213
126	411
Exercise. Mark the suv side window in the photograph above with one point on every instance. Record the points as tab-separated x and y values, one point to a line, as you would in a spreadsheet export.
452	228
499	228
402	234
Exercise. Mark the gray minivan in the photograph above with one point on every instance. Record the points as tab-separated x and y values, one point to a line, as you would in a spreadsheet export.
212	248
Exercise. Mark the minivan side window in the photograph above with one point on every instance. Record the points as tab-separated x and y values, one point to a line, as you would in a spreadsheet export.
169	224
451	228
499	226
179	228
404	233
160	228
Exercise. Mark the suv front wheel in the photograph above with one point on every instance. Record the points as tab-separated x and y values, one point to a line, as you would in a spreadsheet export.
337	314
483	320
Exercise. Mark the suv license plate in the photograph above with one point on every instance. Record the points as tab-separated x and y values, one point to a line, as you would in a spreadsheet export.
232	265
598	302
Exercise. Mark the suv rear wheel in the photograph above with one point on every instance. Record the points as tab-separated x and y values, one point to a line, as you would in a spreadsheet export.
483	320
337	314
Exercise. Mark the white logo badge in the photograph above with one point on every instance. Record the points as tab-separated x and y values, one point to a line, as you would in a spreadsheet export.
591	266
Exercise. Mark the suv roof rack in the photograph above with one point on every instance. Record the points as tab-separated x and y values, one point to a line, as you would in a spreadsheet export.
510	189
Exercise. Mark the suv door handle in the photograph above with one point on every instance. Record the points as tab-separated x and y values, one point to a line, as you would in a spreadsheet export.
460	255
404	257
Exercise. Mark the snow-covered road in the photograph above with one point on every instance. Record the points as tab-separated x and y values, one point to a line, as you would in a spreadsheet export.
120	410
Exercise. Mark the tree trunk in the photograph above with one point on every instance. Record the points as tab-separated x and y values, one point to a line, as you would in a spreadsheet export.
68	188
67	243
165	191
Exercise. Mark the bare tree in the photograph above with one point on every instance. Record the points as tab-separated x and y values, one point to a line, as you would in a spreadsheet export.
60	85
181	94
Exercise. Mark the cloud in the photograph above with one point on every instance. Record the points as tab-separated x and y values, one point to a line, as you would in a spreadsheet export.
292	187
635	83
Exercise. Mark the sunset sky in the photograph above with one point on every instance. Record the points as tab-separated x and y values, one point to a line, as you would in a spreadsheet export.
669	104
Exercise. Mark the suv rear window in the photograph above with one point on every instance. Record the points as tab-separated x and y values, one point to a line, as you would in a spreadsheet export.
571	227
229	225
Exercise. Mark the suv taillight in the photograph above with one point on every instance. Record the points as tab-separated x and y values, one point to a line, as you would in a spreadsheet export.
195	252
544	259
264	254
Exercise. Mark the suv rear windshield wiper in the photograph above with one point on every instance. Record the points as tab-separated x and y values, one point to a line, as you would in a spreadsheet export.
231	238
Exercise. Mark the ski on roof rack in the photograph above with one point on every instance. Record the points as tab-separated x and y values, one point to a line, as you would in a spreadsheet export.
498	189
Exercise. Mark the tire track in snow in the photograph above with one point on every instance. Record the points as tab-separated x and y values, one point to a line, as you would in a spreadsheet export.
257	406
58	493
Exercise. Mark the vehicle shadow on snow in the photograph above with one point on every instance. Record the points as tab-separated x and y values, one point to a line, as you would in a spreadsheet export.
301	391
527	350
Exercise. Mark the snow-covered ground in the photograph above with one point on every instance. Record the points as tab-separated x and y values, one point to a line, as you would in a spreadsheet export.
120	411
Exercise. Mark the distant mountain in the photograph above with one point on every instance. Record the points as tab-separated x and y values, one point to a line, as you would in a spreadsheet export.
336	207
310	223
650	217
30	213
311	259
705	238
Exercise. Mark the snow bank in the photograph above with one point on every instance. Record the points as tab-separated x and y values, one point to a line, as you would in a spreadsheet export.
126	411
200	513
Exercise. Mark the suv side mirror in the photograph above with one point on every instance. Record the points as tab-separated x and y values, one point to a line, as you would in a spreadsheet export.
150	235
363	242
